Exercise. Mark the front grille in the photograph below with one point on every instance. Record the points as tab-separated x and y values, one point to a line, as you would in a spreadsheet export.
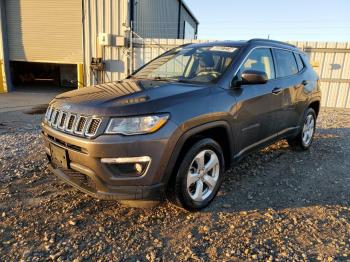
62	120
55	119
93	126
71	122
81	125
78	124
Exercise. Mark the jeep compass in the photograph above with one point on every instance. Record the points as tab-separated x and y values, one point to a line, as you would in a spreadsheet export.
172	128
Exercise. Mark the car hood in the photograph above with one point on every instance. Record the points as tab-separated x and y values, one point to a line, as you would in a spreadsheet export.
127	97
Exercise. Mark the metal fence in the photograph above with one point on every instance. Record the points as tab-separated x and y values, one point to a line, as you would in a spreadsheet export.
333	59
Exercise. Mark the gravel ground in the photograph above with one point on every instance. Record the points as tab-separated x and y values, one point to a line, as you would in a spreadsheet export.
277	204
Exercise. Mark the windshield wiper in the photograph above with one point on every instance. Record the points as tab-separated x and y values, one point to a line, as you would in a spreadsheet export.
159	78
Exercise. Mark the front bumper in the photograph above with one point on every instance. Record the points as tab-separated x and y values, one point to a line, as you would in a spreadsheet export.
88	186
86	172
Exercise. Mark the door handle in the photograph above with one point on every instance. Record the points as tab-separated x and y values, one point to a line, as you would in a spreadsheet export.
276	90
304	83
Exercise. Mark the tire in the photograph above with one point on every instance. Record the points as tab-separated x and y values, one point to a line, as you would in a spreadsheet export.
194	185
304	139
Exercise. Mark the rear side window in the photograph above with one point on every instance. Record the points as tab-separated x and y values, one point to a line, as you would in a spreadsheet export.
299	62
260	60
286	64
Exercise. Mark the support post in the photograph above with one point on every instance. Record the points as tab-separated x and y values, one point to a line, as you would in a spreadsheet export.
2	89
80	75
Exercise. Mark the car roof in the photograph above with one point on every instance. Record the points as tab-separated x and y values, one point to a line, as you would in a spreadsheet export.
252	42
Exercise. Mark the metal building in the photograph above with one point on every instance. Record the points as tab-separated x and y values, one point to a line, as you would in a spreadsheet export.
163	19
80	42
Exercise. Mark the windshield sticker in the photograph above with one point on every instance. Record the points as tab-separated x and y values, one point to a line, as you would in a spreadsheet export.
228	49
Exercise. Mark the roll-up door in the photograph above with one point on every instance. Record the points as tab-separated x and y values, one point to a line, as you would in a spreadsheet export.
45	30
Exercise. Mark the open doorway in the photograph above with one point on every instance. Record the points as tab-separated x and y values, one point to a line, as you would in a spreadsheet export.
43	77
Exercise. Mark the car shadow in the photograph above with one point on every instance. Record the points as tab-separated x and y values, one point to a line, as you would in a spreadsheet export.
279	177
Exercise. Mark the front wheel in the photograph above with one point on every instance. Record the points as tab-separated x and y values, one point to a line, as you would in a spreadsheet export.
199	176
306	135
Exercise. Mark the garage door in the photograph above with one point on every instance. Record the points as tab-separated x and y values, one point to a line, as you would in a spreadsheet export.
45	31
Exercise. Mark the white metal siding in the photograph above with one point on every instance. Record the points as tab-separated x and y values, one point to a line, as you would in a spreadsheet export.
333	59
105	16
334	70
45	31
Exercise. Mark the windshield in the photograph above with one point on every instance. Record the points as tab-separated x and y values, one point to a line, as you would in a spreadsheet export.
190	64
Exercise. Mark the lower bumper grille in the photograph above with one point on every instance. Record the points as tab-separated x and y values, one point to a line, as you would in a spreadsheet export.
82	180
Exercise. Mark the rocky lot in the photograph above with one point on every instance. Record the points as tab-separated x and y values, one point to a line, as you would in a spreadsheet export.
277	204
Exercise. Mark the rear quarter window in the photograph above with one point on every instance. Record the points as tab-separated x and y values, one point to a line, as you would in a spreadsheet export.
285	62
300	62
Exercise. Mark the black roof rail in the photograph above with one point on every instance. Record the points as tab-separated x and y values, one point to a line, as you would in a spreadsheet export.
270	41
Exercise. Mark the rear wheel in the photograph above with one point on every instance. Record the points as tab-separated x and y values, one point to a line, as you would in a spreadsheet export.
199	176
304	139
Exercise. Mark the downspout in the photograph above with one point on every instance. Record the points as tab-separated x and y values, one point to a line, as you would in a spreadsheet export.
131	28
6	78
179	20
132	10
82	67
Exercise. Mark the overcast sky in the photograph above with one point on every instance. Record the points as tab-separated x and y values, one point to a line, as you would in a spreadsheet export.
303	20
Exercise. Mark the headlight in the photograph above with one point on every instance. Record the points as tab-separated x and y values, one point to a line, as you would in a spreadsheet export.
136	125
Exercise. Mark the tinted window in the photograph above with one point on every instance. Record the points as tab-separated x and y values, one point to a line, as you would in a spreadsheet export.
299	62
261	60
286	64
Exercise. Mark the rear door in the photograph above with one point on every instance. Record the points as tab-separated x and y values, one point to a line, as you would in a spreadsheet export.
288	84
256	104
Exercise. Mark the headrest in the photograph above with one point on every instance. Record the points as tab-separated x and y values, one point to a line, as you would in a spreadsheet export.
206	60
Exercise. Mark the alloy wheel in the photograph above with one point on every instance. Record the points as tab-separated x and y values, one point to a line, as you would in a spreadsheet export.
203	175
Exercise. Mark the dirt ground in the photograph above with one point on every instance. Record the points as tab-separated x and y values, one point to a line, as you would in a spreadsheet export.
277	204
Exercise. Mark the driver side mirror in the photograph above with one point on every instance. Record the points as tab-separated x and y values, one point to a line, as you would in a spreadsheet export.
249	77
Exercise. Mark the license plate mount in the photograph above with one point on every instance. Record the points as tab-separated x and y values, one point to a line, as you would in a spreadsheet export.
59	157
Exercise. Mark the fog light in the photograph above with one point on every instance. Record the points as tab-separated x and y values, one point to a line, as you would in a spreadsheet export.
138	168
128	166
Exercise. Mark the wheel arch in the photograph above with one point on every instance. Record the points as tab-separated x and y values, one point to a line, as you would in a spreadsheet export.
315	105
219	131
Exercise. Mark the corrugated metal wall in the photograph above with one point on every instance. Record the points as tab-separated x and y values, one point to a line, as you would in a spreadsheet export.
44	31
104	16
333	59
334	70
156	18
159	18
185	16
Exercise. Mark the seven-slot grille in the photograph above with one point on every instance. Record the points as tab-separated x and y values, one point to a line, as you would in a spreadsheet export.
72	123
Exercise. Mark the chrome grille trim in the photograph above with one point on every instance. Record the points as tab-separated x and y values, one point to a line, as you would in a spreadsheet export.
62	121
55	117
80	125
93	121
71	123
76	124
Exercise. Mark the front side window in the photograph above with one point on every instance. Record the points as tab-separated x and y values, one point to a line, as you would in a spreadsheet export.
260	60
286	64
204	64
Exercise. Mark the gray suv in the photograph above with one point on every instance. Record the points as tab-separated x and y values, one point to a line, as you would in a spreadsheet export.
171	129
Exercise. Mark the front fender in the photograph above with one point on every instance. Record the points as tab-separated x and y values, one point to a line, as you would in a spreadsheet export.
187	135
